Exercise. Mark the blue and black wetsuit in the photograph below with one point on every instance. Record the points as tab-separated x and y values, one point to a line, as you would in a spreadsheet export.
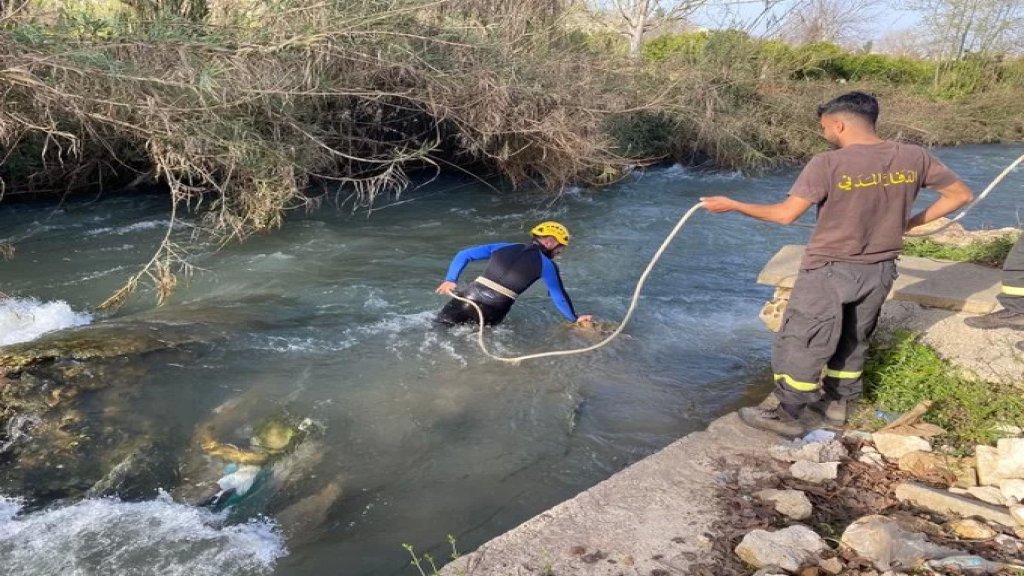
512	266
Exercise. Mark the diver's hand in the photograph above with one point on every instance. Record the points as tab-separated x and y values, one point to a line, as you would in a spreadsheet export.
718	204
446	287
585	320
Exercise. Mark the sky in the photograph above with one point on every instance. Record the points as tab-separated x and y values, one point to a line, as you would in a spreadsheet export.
719	14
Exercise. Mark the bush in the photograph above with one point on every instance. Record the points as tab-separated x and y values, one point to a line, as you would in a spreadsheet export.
643	134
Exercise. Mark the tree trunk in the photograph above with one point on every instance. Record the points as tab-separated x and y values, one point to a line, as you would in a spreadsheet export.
637	28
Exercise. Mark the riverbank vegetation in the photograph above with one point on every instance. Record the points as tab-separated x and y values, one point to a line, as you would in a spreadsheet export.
901	372
990	253
245	109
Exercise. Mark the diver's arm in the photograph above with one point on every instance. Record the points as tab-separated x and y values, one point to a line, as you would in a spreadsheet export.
549	273
468	255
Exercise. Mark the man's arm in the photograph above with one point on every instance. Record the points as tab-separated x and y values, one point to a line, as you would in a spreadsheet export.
951	198
785	212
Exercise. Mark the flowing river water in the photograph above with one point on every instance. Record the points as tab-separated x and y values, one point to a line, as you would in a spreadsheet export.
419	434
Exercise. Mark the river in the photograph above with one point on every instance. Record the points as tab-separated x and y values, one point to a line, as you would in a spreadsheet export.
331	321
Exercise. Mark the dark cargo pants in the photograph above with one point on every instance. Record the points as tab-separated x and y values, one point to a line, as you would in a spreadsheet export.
826	328
1012	294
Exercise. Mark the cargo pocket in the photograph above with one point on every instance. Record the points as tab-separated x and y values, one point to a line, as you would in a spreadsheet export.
811	333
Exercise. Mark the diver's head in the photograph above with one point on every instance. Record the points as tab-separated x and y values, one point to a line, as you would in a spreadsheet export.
552	236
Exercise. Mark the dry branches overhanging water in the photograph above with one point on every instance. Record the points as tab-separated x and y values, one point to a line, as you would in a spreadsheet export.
238	106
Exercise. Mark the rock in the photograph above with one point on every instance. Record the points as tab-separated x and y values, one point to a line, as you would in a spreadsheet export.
894	446
770	571
1009	430
810	571
965	472
986	460
771	313
911	523
1017	512
1011	457
873	458
971	529
831	565
829	451
927	466
1013	490
790	503
857	436
789	548
989	494
944	502
969	564
814	472
883	542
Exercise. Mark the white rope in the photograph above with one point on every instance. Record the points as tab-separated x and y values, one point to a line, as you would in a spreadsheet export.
622	325
971	206
657	255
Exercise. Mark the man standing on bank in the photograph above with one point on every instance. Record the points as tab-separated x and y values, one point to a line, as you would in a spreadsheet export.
864	191
511	269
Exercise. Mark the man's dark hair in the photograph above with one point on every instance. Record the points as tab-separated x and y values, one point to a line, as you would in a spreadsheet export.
856	103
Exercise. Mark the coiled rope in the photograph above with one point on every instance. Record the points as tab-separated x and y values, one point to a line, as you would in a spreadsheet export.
654	260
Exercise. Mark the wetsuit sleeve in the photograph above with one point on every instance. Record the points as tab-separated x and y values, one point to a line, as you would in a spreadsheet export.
553	280
468	255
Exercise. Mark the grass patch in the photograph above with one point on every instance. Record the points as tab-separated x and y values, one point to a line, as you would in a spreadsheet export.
903	371
985	252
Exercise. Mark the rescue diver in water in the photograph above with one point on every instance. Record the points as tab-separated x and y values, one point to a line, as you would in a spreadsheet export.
511	269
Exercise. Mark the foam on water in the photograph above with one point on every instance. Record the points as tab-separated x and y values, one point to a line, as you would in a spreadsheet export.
23	319
106	536
120	230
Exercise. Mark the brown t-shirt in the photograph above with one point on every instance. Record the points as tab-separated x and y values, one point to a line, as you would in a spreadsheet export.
864	194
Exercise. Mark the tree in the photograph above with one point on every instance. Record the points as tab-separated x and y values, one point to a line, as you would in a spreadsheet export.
845	22
634	18
961	27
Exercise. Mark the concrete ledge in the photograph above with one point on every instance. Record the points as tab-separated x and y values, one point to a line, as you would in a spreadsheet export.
650	518
958	286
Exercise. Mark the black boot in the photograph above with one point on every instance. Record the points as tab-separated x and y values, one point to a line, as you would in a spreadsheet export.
999	319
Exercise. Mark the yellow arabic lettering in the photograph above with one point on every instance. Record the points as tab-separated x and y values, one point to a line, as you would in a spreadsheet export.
846	183
861	183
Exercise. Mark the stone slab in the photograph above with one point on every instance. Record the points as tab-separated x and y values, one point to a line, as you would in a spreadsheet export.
958	286
946	502
650	518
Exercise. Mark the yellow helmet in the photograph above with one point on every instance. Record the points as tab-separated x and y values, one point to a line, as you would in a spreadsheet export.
553	229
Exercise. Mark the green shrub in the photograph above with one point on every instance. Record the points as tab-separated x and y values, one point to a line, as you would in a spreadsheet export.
987	253
902	372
